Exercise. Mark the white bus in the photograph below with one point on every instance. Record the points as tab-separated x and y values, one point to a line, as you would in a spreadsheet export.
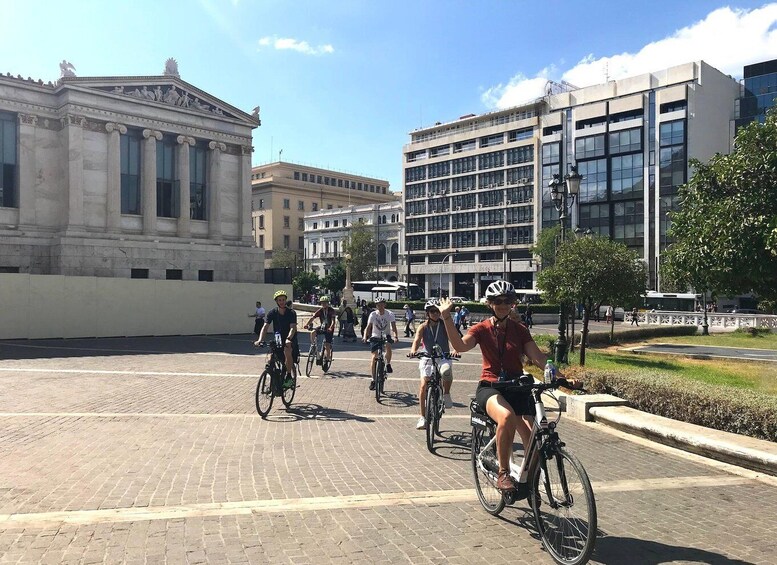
675	301
390	290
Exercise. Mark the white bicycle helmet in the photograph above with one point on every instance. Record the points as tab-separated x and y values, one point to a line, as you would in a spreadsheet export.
432	303
500	288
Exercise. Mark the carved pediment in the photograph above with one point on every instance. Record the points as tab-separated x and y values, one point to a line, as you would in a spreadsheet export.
166	90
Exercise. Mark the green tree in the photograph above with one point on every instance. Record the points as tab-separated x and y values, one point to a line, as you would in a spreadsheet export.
305	282
593	271
335	280
363	249
725	231
547	242
283	258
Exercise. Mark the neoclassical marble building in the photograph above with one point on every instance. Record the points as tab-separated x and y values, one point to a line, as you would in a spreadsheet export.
144	177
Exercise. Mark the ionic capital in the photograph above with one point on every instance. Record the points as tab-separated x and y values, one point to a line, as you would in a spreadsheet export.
149	133
181	139
214	145
110	127
246	149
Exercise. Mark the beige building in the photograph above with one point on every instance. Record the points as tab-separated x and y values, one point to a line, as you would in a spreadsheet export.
136	177
284	192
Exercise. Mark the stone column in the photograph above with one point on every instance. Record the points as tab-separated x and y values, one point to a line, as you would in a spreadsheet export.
27	167
148	198
244	194
214	196
184	217
113	200
73	133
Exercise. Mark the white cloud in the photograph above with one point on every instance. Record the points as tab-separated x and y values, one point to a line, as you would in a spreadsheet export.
727	39
295	45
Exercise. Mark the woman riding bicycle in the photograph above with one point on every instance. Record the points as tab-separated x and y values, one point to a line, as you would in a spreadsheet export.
503	342
430	333
326	317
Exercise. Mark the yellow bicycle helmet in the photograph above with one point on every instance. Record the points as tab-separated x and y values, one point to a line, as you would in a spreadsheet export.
280	293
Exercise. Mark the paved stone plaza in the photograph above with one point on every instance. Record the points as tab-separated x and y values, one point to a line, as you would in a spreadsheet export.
149	450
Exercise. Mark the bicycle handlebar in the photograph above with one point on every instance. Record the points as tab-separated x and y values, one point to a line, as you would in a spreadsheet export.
426	355
542	387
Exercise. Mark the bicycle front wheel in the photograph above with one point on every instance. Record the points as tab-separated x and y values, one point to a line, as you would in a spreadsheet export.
378	379
327	362
564	508
431	416
310	361
288	391
264	394
485	481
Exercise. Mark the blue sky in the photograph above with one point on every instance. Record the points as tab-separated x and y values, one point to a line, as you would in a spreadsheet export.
342	83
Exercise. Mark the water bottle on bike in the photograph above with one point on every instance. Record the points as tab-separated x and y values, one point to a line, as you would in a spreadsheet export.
550	372
278	340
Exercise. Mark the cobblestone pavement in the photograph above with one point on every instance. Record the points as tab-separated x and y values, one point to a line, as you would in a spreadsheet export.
149	450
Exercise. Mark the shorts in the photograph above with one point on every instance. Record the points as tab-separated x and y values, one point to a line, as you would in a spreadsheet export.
327	334
376	343
521	402
426	368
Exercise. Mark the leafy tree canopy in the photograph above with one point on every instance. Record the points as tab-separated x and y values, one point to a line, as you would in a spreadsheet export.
305	282
283	258
363	250
335	280
726	229
547	243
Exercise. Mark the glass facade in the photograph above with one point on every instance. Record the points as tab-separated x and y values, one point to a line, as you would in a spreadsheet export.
8	152
759	90
167	197
130	172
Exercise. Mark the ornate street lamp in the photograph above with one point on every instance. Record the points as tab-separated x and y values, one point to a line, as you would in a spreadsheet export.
348	290
563	194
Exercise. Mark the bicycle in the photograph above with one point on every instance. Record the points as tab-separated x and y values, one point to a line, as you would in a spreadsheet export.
552	477
316	353
434	402
380	366
271	380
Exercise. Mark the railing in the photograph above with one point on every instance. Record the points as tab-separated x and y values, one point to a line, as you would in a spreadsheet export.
714	320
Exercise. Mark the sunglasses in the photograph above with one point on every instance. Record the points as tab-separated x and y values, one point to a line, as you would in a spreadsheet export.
434	311
500	301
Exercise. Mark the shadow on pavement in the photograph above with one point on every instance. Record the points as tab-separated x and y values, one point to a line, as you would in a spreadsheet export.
396	399
299	412
454	445
614	550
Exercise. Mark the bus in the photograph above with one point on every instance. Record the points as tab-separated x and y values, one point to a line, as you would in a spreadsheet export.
671	302
390	290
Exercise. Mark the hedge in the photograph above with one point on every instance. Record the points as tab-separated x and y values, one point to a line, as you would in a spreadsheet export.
474	307
637	334
729	409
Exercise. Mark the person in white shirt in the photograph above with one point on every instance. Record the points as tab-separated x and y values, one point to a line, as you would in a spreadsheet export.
377	327
259	315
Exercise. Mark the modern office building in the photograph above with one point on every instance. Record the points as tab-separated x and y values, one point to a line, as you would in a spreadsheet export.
284	192
142	177
476	189
758	92
327	231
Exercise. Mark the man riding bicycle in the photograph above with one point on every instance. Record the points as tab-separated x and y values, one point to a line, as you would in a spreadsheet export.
327	317
377	327
284	322
430	333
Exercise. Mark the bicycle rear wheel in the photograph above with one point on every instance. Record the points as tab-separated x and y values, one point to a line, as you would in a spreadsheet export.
288	393
485	481
564	508
264	394
431	415
326	363
311	360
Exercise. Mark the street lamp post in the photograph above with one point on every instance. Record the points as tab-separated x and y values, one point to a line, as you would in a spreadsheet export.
563	194
439	285
348	290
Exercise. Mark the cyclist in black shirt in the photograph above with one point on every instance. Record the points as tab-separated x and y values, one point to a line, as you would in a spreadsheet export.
326	317
284	322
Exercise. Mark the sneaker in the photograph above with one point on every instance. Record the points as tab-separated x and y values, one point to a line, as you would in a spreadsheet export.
288	382
388	368
318	360
504	481
372	385
421	423
446	398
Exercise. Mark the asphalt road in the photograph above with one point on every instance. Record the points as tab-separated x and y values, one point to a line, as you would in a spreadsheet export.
711	352
149	450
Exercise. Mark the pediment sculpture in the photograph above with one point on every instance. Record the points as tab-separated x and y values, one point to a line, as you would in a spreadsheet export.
169	94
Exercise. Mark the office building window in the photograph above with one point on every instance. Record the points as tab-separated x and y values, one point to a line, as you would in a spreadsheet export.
326	224
261	222
301	242
345	222
628	222
672	133
626	141
491	160
286	222
174	274
286	241
305	177
627	176
300	205
518	155
464	239
261	241
315	225
315	248
130	172
261	203
315	206
296	175
300	224
336	222
589	147
593	186
198	203
417	242
286	204
138	273
596	217
205	275
167	193
8	164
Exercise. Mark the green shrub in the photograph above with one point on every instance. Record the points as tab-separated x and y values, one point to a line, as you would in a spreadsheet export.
752	331
474	307
739	411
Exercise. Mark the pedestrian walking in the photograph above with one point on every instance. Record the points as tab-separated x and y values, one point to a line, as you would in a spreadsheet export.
365	316
457	316
349	320
608	314
259	318
341	317
635	316
528	316
409	321
464	317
